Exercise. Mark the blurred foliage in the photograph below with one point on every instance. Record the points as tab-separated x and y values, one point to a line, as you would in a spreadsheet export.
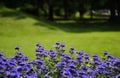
64	8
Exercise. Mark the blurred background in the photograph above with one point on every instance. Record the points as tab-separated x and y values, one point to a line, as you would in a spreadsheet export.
89	25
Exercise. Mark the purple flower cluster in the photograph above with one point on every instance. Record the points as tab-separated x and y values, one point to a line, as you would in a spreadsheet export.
55	63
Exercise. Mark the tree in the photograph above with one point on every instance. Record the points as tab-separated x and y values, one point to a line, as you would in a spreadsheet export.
118	8
114	6
66	8
50	9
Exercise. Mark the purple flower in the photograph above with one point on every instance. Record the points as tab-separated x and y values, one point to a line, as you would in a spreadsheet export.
81	72
81	53
2	71
84	76
116	62
118	76
39	67
17	48
31	75
100	67
65	66
45	69
73	61
38	57
38	45
62	45
84	67
20	53
1	54
97	62
105	53
72	66
79	57
22	63
52	54
92	76
66	56
58	43
95	55
87	57
71	50
19	68
66	73
25	58
60	64
90	72
110	57
14	75
46	76
39	49
73	72
39	62
51	50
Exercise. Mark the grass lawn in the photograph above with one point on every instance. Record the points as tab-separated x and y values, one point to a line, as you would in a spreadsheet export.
17	28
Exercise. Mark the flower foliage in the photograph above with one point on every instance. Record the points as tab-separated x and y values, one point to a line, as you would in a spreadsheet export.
55	63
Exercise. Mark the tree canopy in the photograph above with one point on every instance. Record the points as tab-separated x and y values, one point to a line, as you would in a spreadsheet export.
65	9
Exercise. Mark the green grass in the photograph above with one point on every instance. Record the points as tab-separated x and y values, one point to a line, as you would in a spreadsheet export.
17	28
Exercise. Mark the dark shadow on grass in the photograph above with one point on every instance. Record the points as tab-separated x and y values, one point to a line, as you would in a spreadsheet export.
72	26
79	26
15	14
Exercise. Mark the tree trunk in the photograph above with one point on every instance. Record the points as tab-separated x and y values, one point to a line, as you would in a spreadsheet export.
50	16
91	8
66	13
112	10
118	8
37	6
81	10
